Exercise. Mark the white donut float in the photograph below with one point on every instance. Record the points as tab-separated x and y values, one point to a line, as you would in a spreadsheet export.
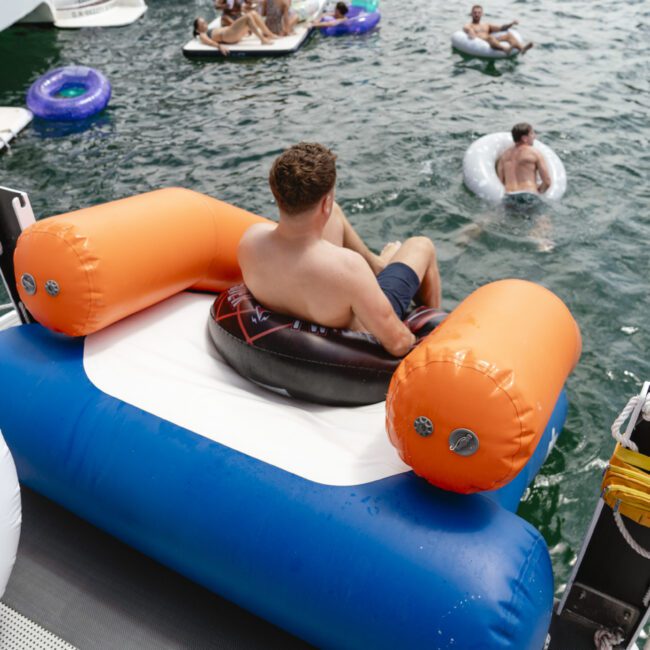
478	47
10	514
480	174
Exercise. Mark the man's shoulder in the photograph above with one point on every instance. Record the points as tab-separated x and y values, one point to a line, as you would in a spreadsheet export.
254	234
258	229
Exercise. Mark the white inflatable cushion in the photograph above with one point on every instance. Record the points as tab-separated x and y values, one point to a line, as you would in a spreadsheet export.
162	361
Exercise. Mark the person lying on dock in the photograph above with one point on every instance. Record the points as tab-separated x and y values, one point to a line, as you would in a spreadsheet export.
280	18
487	32
337	17
301	266
519	165
219	37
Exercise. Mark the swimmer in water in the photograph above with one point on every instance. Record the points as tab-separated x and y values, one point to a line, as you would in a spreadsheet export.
518	167
487	32
219	37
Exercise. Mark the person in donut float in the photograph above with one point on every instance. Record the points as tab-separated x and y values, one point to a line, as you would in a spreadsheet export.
519	165
306	268
332	19
497	36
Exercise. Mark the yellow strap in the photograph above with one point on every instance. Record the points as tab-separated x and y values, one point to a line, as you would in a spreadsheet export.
627	486
627	495
633	458
626	474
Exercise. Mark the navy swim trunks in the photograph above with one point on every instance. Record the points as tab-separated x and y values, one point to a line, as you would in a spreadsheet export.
400	283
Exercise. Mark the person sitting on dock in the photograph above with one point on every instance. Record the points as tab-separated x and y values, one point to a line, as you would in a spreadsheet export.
337	17
219	37
305	266
489	33
280	19
230	10
519	165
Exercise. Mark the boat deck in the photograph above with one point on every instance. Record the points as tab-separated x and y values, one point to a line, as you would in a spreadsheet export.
94	592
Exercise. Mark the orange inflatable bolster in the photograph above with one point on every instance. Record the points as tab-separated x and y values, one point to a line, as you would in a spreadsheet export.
92	267
467	407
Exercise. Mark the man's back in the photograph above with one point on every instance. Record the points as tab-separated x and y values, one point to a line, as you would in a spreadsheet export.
311	281
517	169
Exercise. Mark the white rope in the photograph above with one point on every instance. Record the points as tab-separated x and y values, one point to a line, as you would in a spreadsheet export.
624	438
646	598
607	639
627	537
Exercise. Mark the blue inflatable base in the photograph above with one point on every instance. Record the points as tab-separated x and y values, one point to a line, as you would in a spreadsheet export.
386	564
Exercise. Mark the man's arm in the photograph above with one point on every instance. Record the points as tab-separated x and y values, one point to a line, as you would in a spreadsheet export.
208	41
500	171
371	307
504	28
328	23
542	169
352	241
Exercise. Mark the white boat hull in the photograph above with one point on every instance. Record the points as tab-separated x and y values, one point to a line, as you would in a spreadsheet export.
72	14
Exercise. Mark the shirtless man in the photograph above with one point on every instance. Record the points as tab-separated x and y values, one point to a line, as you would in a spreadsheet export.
232	34
518	166
302	267
485	31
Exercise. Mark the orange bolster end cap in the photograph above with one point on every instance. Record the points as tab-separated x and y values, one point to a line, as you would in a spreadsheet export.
467	407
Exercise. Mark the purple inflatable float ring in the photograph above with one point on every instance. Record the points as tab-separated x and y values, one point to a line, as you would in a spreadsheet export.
70	93
357	21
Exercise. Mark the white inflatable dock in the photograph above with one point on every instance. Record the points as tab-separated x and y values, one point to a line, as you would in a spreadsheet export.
250	45
12	121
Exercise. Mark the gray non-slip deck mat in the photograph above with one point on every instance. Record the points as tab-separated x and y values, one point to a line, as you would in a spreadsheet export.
96	593
17	632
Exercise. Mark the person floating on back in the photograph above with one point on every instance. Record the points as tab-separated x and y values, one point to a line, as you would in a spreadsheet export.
519	165
489	33
314	267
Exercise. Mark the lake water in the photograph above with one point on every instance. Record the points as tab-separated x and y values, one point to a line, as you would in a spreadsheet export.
399	108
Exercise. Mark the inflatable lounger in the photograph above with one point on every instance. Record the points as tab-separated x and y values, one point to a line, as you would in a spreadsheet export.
302	513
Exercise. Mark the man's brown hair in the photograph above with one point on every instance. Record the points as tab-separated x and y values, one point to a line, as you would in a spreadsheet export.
301	176
520	130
